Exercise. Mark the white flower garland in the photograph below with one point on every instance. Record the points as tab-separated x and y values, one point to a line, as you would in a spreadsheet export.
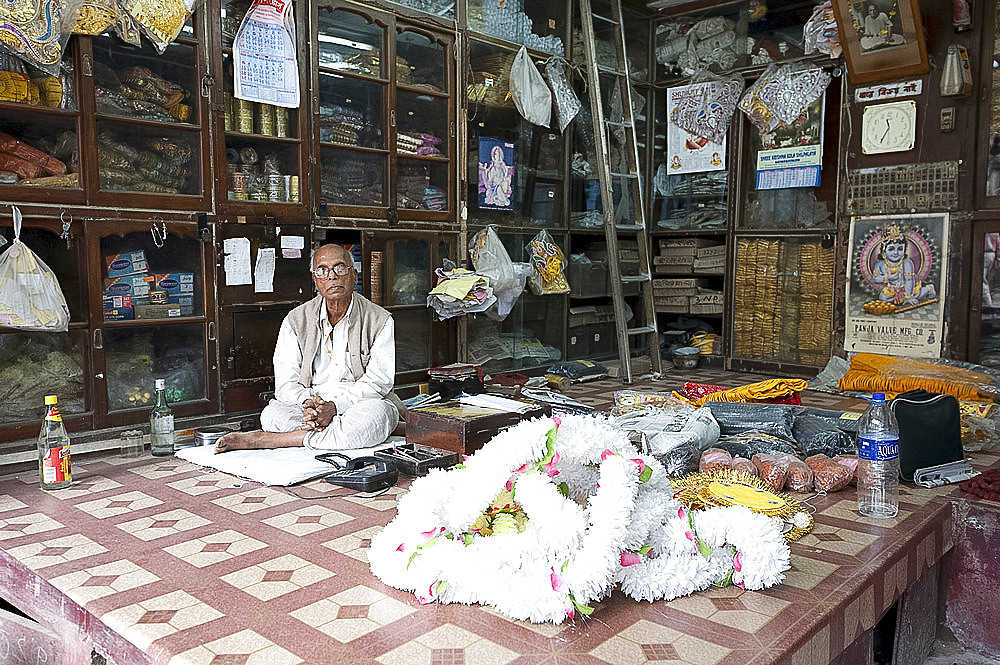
598	514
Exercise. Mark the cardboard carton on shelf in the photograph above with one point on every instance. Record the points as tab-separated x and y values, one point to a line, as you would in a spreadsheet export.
683	246
126	263
711	251
680	283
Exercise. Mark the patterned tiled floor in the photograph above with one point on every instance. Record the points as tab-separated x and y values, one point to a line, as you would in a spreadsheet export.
165	562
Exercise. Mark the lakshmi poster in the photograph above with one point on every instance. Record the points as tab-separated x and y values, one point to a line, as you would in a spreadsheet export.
896	283
688	152
496	174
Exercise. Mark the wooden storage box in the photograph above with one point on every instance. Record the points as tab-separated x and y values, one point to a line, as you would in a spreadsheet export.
462	428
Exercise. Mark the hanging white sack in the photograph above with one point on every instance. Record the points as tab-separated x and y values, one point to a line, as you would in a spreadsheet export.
30	296
531	95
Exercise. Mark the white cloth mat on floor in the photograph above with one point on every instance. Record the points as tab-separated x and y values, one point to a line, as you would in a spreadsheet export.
273	466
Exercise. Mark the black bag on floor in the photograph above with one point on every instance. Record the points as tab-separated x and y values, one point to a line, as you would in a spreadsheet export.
930	430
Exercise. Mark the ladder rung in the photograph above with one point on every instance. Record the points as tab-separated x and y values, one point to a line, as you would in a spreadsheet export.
604	18
608	70
644	277
614	123
644	330
625	175
628	227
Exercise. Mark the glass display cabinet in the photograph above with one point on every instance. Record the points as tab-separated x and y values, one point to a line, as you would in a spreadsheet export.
539	25
262	146
40	131
990	133
35	364
383	106
157	319
532	334
151	125
527	190
397	272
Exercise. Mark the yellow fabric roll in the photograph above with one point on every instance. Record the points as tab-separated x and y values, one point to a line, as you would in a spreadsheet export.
871	372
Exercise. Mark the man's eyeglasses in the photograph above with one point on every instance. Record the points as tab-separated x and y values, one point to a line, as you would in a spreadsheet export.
339	270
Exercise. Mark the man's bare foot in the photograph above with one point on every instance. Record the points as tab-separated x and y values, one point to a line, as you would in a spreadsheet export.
258	439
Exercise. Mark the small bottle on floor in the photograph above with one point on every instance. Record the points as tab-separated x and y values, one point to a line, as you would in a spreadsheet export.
161	423
53	449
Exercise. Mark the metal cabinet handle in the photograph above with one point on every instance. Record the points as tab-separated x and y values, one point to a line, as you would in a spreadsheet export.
211	331
98	338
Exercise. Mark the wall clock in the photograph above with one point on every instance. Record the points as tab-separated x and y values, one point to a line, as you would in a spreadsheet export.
890	127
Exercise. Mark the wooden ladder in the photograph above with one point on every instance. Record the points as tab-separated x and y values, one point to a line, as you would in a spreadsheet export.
628	219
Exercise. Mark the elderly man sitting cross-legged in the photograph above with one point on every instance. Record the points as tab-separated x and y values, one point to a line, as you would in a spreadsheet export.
334	369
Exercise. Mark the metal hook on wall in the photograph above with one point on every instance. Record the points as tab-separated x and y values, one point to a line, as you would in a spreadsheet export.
159	234
65	228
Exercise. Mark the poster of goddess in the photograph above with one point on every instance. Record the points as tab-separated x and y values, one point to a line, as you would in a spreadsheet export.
496	174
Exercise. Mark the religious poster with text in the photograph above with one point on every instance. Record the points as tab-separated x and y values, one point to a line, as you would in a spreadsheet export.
688	152
896	283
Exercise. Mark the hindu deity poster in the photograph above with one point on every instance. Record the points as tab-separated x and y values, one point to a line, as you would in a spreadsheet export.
896	284
496	174
688	152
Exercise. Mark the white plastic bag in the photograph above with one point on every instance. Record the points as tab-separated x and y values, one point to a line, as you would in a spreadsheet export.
30	296
531	96
489	258
567	103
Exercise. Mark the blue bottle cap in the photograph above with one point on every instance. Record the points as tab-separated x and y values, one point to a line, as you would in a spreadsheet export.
878	397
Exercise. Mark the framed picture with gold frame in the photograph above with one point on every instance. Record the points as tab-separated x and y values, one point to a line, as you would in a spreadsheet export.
882	39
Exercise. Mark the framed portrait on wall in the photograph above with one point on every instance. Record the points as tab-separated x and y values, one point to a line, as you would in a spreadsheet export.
882	39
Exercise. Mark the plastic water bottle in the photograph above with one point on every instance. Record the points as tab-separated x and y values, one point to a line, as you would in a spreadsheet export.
878	460
161	423
53	449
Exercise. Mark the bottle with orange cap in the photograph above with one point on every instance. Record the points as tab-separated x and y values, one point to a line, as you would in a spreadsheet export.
53	449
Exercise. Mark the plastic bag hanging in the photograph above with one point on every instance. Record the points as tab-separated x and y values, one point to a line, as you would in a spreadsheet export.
30	296
490	259
548	275
567	103
527	87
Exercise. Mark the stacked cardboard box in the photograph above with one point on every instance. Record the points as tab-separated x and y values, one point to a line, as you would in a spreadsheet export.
707	301
673	295
680	255
129	289
127	285
710	260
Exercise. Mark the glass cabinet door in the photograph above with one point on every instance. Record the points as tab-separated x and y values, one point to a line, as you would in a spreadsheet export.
991	73
263	146
385	105
39	131
35	364
400	272
424	123
351	122
149	121
155	296
538	24
501	141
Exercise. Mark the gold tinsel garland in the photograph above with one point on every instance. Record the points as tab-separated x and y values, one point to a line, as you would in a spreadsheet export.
728	487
